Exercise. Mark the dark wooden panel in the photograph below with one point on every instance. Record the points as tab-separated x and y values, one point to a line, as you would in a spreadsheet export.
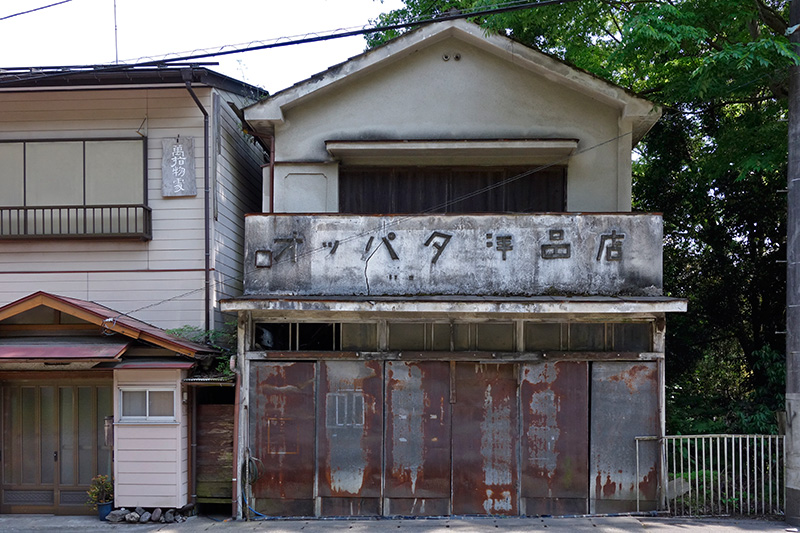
398	190
214	451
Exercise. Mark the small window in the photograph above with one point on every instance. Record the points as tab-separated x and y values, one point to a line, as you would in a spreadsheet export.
297	336
587	337
632	337
146	404
542	336
495	336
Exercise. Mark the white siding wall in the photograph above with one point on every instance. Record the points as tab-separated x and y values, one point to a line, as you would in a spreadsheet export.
238	191
128	275
150	460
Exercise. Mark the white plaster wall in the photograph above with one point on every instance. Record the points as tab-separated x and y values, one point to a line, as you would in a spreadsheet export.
305	188
480	96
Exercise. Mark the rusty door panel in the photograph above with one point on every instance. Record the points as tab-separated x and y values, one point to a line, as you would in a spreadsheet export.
624	405
554	399
282	426
350	436
485	428
417	437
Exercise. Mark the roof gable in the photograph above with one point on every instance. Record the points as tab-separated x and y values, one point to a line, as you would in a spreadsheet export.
105	318
263	115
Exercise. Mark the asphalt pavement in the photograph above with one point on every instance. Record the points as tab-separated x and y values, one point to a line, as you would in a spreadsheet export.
616	524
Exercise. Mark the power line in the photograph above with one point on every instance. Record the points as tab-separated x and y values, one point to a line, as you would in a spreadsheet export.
229	280
34	10
284	42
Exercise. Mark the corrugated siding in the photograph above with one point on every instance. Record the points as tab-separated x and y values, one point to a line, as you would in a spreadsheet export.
134	274
238	191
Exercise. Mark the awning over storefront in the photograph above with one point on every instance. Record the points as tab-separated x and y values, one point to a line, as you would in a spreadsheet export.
509	307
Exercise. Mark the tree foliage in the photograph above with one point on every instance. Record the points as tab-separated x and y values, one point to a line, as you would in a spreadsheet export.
715	165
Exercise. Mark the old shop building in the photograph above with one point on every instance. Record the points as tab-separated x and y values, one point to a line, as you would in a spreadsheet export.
111	204
449	307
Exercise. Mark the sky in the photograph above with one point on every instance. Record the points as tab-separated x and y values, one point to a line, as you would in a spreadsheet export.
81	32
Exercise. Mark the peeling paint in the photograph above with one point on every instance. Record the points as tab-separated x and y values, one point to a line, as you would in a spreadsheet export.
407	400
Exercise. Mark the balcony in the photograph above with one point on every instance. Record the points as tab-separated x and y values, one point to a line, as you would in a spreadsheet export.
76	222
460	255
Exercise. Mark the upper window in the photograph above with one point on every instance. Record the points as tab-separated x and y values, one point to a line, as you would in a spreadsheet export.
148	405
381	190
81	188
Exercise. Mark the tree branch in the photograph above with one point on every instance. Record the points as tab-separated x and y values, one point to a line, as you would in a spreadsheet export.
771	18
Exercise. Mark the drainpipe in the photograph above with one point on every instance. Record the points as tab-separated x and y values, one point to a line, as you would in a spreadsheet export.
271	173
187	77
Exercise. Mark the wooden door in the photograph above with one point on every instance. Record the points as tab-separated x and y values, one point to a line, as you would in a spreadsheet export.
53	444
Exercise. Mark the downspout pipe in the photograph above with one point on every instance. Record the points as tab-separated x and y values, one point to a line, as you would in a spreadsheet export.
187	78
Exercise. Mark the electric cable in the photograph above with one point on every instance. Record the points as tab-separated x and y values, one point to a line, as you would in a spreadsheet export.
280	42
34	10
227	280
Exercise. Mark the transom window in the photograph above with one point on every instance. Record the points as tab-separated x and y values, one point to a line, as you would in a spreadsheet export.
489	336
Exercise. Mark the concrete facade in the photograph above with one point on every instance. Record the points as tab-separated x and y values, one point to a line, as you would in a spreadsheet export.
442	362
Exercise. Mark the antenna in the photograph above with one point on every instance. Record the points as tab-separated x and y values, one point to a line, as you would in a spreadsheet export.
116	45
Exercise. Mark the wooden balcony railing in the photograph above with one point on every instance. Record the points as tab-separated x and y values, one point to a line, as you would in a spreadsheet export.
76	222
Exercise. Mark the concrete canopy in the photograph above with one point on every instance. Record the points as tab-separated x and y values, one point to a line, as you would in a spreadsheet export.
264	115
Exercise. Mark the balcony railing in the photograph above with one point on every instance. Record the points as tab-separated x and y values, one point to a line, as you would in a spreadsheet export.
76	222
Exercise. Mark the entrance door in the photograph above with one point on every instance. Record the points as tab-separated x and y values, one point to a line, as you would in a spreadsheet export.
53	444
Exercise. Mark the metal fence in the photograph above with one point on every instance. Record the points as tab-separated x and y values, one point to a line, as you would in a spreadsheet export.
722	474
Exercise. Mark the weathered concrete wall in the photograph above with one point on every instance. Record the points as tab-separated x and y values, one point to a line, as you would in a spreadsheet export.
480	96
460	255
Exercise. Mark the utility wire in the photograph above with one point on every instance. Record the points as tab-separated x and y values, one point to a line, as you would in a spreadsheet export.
280	42
229	280
34	10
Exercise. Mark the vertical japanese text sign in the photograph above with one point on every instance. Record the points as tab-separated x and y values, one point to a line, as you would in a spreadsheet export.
177	167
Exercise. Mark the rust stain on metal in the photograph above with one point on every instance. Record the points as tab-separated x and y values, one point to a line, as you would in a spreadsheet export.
635	376
624	405
417	431
554	398
484	461
350	428
648	486
282	423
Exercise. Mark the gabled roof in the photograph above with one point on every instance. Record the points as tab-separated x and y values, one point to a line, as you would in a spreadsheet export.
263	115
105	318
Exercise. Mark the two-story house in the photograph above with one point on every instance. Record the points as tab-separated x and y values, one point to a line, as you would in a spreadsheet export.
122	194
449	307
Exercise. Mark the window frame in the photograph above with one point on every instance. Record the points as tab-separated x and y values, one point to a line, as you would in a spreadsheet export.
83	141
147	418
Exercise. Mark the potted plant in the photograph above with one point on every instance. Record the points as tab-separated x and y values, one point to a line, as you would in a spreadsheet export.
101	495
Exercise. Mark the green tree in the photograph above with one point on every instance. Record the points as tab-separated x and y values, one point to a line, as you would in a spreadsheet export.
715	165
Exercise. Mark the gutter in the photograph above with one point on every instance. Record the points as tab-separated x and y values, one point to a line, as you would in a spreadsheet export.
187	77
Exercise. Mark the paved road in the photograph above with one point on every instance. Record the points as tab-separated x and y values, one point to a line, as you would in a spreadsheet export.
624	524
